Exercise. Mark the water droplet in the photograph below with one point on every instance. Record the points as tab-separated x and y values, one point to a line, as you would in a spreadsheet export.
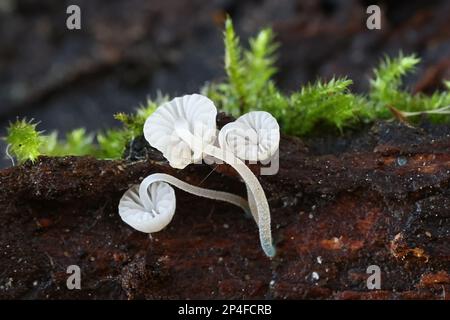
401	161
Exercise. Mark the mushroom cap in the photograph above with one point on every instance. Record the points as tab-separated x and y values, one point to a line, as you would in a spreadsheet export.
148	216
194	112
254	136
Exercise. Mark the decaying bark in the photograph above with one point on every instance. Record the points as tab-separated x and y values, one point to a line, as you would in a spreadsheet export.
380	197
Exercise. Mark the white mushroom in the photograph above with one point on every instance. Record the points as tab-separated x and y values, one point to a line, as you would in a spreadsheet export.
150	206
255	136
187	124
149	212
196	114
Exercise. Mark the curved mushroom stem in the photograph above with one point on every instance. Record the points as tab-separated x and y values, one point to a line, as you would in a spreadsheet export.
202	192
259	201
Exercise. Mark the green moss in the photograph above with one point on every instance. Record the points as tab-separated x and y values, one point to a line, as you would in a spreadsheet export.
112	143
249	85
26	143
386	91
76	143
243	91
133	123
322	104
24	140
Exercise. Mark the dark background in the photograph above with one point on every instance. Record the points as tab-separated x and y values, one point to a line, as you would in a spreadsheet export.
127	50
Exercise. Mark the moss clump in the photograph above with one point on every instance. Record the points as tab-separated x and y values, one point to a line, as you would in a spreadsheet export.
386	92
243	90
24	140
26	143
249	86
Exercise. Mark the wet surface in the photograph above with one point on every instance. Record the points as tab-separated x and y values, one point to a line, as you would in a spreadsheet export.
383	201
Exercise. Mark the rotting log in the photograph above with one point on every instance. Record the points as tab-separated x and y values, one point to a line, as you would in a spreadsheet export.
380	197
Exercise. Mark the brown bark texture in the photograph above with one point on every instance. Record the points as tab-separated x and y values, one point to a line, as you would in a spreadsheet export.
339	205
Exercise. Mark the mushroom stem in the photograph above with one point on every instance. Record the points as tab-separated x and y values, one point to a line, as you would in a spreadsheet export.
202	192
252	204
259	201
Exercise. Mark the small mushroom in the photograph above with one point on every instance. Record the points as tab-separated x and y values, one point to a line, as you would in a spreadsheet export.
149	211
255	136
194	113
184	130
150	206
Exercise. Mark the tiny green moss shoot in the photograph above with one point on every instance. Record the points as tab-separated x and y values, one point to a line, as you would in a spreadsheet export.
24	140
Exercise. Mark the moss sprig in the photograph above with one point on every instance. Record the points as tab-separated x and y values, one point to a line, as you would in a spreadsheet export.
24	141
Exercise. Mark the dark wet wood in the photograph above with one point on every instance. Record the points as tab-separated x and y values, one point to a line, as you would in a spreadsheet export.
381	197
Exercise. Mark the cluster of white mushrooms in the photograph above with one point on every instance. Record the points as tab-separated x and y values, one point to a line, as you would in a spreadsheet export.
184	130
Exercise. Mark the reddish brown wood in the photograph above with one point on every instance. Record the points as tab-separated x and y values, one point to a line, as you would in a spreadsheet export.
381	199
